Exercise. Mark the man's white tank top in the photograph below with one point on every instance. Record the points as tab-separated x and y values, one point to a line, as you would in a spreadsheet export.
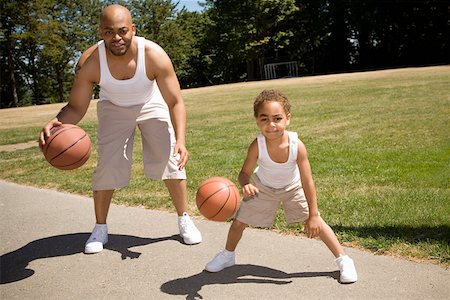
278	175
134	91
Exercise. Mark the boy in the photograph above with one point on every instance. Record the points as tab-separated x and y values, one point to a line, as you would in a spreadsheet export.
283	175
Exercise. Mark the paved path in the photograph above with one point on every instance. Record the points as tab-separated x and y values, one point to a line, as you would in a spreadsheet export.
43	234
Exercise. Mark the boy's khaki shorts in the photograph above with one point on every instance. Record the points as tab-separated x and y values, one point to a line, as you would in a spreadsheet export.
260	210
116	129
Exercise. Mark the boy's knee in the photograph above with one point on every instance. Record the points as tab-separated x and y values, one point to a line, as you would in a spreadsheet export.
238	225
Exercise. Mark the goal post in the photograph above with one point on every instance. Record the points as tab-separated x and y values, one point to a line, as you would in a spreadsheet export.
281	69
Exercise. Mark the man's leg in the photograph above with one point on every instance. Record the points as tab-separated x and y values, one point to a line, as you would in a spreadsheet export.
99	236
178	191
102	200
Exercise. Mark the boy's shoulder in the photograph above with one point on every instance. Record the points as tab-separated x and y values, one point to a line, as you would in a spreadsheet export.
293	136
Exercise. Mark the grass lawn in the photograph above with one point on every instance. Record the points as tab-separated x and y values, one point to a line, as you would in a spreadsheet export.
378	143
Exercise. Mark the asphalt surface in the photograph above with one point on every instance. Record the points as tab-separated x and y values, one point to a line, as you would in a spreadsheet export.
44	231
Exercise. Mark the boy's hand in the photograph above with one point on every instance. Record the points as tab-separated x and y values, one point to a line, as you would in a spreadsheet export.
249	190
313	226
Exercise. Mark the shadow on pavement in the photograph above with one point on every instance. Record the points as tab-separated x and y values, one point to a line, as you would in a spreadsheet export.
191	286
13	265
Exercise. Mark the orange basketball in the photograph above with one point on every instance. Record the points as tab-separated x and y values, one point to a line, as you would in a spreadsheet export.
217	198
68	147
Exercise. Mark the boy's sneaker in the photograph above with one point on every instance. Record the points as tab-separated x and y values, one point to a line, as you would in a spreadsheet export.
347	268
190	234
222	260
98	238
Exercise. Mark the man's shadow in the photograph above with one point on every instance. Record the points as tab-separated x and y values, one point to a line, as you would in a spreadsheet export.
14	265
191	286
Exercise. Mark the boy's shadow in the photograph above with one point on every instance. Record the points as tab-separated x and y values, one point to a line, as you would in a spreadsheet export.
14	265
191	286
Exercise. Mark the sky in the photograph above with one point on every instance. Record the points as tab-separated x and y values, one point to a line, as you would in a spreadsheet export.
191	5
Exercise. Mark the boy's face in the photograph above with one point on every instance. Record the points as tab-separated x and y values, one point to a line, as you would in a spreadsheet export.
272	119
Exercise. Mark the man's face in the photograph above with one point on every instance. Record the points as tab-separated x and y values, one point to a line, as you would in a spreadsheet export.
117	31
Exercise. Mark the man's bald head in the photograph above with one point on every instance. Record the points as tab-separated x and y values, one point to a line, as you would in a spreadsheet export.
117	29
115	12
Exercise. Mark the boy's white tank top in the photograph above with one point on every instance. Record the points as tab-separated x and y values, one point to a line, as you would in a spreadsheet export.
278	175
134	91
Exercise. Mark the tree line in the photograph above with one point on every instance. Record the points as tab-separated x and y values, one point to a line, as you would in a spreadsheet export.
228	41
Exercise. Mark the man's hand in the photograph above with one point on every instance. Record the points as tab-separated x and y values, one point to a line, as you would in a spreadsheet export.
45	132
183	155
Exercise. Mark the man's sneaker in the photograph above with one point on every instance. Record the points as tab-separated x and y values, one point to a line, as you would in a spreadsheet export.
98	238
222	260
190	234
347	268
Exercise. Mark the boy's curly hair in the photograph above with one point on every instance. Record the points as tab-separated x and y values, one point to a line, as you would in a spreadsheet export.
271	95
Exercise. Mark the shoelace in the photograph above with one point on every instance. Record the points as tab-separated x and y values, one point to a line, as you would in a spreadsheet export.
184	223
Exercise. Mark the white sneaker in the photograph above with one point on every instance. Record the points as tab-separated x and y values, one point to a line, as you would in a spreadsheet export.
347	268
98	238
190	234
222	260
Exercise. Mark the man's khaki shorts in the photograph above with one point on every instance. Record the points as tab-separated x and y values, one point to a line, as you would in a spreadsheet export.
260	210
116	129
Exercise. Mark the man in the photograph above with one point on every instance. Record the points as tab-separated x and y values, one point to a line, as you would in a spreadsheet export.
138	87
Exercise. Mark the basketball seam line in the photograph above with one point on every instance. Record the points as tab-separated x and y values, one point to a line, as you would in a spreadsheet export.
67	148
228	198
84	156
226	187
53	138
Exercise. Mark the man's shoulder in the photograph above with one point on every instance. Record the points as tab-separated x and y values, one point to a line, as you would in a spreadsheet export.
89	51
87	55
90	54
151	47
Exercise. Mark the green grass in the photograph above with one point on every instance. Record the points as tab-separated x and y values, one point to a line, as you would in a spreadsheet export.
378	143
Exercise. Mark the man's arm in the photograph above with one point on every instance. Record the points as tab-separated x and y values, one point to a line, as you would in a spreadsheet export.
80	95
159	67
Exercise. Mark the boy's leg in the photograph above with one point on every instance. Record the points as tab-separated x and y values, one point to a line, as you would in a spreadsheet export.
227	258
235	234
346	266
329	238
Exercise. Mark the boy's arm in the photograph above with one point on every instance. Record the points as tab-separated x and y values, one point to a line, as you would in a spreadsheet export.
313	223
249	189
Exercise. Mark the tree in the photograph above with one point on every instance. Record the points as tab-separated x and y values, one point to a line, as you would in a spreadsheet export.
399	33
8	87
175	31
239	34
312	27
42	40
269	34
69	27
